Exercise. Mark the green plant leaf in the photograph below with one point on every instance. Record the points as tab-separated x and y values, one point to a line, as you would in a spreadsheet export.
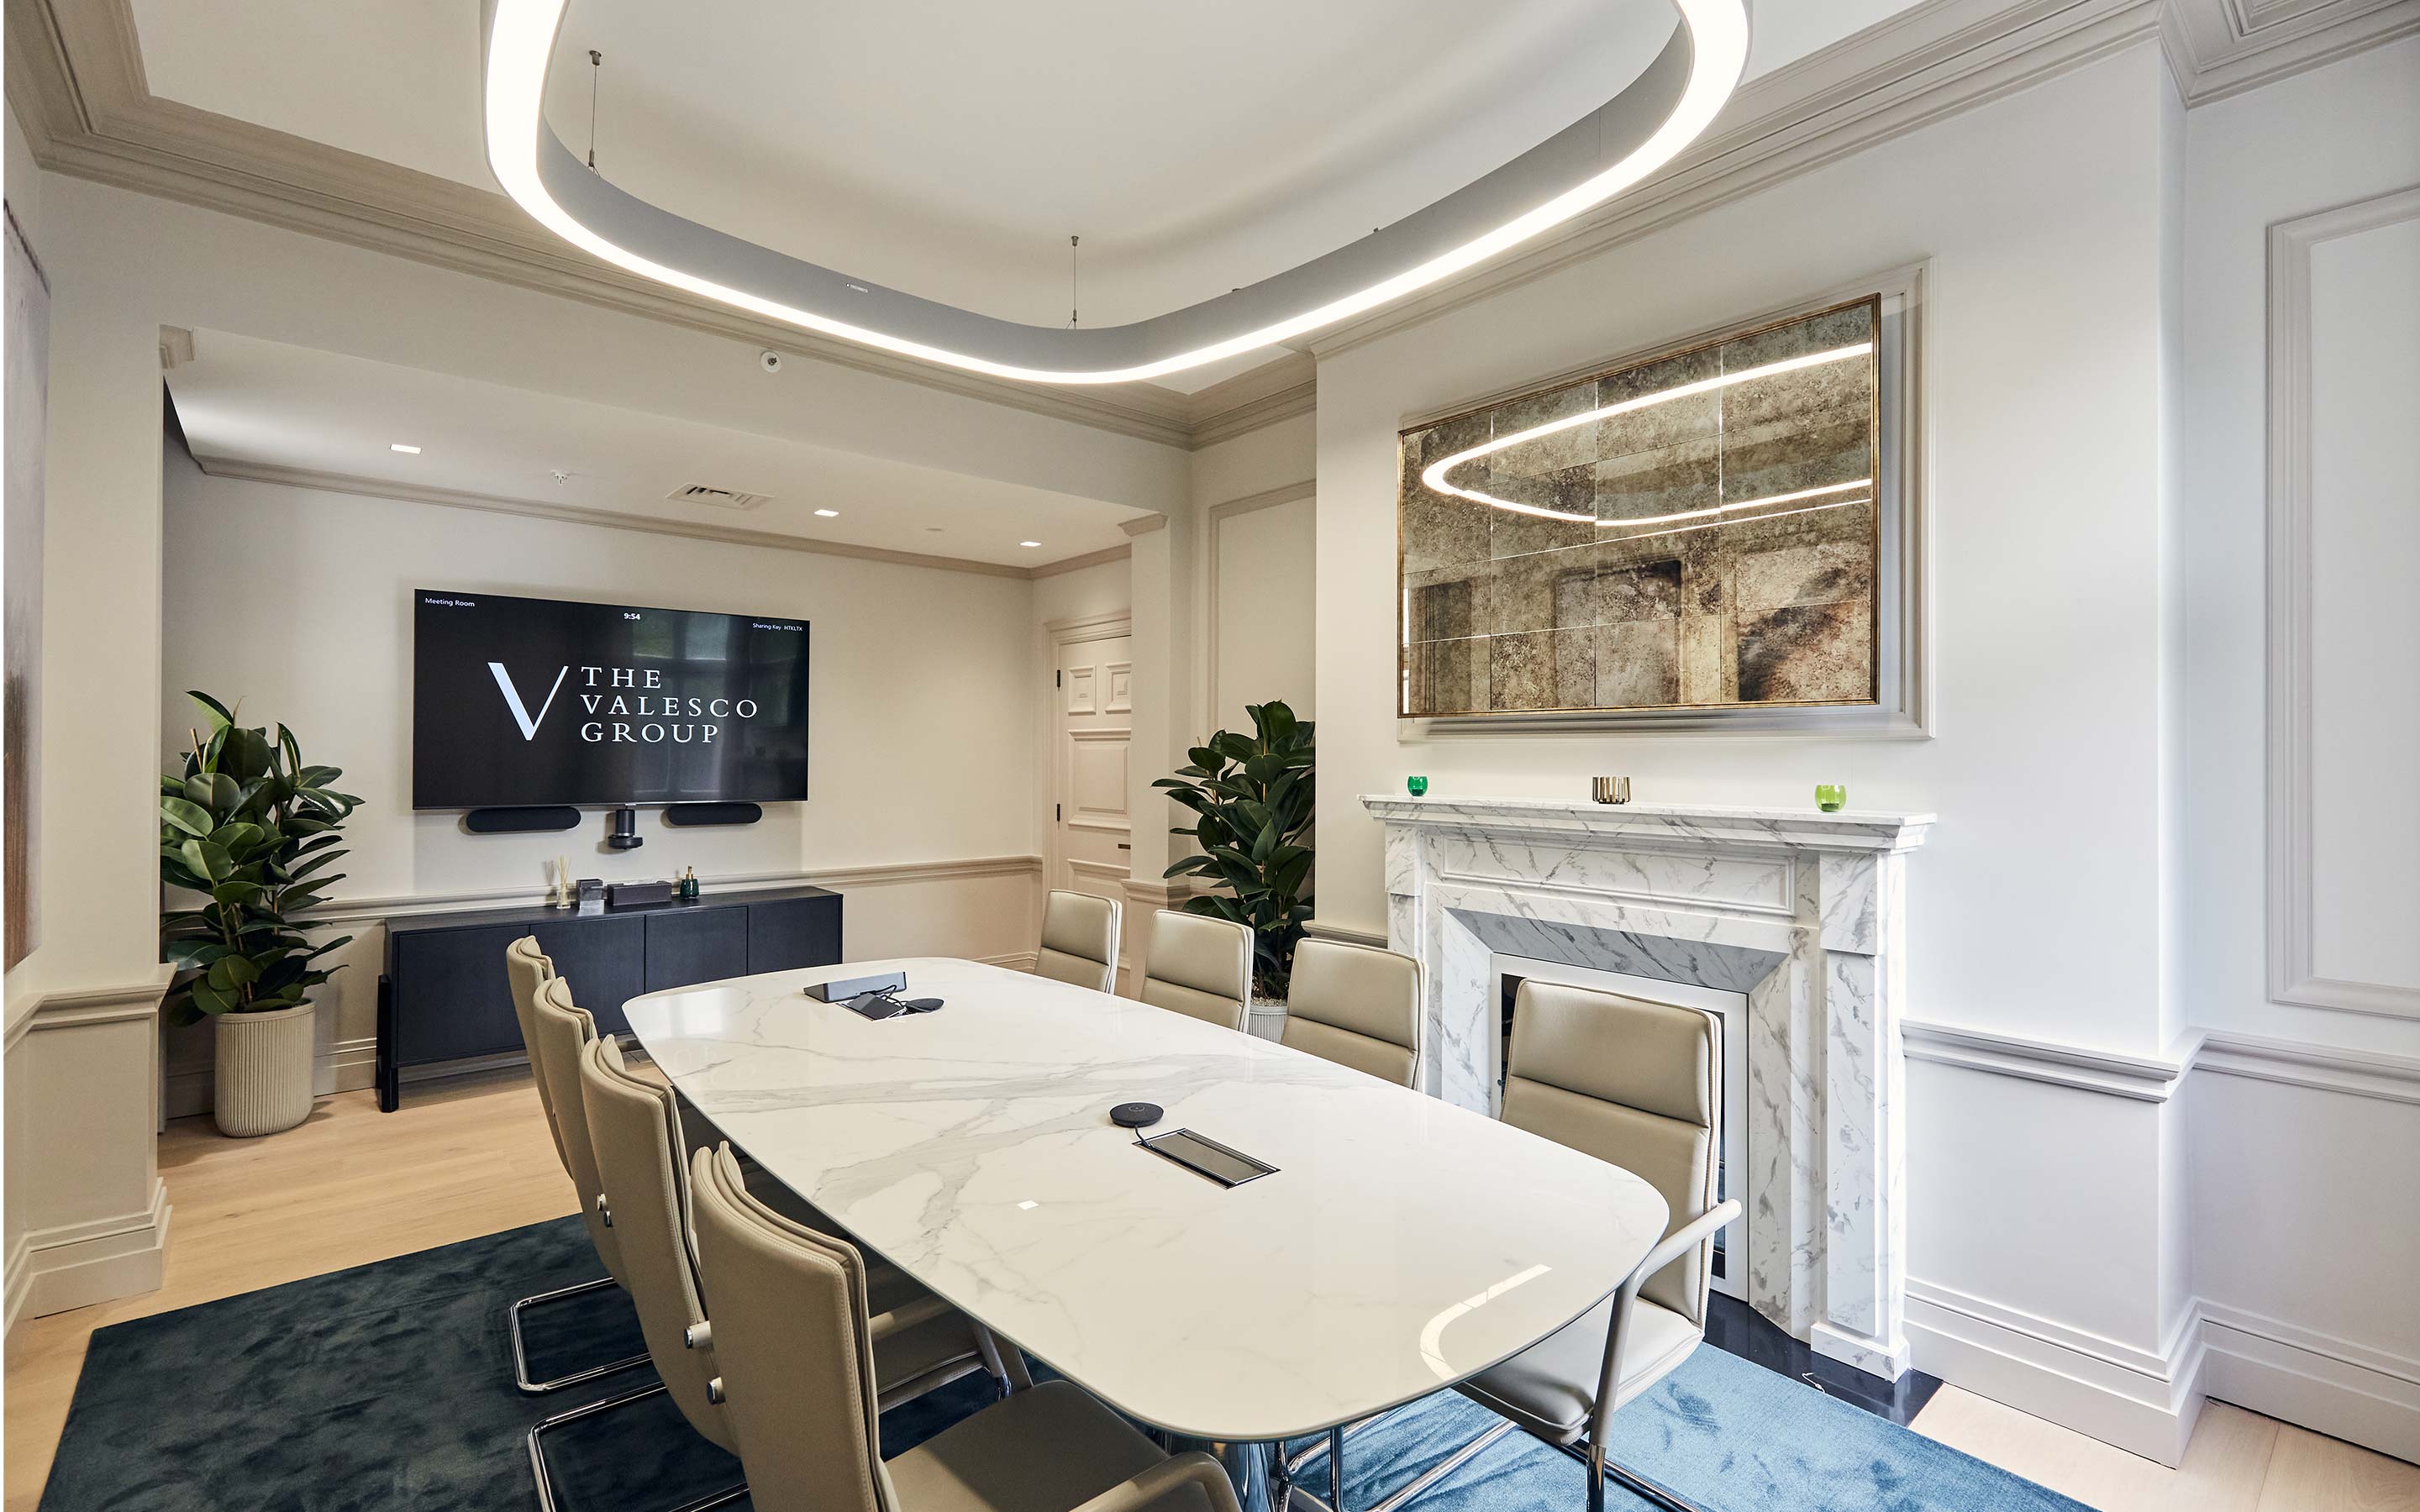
233	893
186	815
206	860
213	710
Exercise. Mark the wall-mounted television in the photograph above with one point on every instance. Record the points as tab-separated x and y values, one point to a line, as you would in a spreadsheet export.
539	700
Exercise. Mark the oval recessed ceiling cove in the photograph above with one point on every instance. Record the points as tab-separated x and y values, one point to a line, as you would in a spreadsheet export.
1632	134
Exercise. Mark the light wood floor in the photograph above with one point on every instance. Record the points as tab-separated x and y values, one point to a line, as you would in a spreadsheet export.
353	1185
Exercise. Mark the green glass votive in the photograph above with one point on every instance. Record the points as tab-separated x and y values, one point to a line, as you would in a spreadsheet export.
1830	796
1417	786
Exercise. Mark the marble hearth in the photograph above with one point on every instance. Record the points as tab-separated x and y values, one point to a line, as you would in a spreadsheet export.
1801	911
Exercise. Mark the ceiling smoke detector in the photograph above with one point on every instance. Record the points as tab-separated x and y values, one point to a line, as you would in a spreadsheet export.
700	493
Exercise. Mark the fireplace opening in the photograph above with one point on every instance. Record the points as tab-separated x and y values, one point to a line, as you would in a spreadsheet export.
1511	977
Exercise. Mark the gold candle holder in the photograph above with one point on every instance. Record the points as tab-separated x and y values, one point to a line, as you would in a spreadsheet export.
1610	789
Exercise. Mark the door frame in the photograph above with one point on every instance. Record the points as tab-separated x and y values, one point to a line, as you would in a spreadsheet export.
1060	634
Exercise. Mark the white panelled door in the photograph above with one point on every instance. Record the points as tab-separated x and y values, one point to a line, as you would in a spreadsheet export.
1094	696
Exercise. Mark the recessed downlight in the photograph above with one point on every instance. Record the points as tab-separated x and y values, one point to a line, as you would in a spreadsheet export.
405	447
828	513
1028	542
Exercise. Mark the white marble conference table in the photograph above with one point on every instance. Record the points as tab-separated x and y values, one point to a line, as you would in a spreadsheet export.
1402	1245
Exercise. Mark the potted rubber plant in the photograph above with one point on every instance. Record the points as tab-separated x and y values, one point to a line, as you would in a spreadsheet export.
1253	797
249	831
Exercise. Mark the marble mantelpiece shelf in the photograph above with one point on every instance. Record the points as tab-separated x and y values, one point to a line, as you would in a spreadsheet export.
1851	829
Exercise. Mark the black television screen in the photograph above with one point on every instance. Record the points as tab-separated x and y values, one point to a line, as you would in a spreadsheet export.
538	700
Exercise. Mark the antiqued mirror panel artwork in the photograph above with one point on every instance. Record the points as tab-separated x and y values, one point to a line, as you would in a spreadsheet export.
1696	530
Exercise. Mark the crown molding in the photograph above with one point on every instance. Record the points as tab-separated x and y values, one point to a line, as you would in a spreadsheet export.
1278	390
1090	559
1935	59
75	80
219	467
2224	47
75	77
1144	526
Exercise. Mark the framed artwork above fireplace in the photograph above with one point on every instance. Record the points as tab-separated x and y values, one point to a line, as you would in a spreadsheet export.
1724	532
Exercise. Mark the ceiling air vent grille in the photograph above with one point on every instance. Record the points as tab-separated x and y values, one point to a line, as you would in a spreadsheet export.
700	493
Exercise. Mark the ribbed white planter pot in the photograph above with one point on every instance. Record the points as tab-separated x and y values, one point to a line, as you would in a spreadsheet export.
263	1072
1265	1018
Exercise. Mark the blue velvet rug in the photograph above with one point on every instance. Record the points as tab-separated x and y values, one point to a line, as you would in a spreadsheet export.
388	1388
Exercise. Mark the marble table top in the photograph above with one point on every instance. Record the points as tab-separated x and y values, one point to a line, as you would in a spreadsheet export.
1402	1245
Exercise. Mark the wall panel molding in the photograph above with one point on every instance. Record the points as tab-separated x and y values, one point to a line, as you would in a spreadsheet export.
2293	974
2058	1063
1214	520
376	909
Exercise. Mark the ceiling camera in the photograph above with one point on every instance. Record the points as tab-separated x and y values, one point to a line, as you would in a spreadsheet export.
769	362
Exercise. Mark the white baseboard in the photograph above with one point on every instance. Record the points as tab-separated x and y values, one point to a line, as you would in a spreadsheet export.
2142	1402
2347	1389
79	1264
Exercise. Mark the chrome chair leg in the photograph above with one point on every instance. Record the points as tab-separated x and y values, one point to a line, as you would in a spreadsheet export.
520	1354
1600	1467
546	1484
1336	1469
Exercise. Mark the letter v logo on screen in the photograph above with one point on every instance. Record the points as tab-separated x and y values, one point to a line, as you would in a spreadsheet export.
520	711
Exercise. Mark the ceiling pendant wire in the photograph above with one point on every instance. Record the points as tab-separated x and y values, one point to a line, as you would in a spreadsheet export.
596	67
1074	305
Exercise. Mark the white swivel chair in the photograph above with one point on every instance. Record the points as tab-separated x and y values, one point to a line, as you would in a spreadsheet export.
1199	966
799	1360
1080	941
1357	1007
1638	1084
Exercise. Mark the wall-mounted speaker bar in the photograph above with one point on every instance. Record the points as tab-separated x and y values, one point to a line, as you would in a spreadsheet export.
687	814
517	821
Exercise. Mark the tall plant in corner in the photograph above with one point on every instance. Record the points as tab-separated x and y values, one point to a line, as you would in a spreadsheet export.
1254	796
251	830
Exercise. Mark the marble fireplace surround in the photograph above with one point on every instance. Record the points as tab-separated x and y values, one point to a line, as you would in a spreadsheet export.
1802	911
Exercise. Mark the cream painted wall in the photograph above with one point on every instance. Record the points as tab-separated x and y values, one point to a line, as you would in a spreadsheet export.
2045	462
920	718
2041	216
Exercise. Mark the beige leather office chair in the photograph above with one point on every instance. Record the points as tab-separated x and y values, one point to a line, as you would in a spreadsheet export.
1080	941
634	1132
555	1030
800	1358
1199	966
1638	1084
1357	1007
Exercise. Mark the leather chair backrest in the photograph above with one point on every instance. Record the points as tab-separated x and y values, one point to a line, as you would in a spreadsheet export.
1634	1083
1199	966
1357	1007
562	1032
527	969
792	1340
1080	941
637	1141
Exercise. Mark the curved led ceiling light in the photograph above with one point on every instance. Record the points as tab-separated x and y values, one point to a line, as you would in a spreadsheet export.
1604	152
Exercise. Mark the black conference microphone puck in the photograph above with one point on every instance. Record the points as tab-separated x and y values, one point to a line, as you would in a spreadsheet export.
1134	1114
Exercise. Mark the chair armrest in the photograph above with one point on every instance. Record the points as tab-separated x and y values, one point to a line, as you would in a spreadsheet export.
1675	1245
1195	1468
1688	1237
899	1320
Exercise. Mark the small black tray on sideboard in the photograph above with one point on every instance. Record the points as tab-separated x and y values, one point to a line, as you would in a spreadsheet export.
443	996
